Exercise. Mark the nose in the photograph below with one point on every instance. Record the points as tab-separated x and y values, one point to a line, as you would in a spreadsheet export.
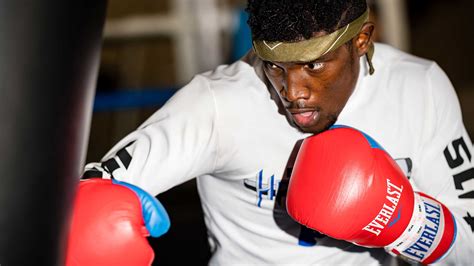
294	88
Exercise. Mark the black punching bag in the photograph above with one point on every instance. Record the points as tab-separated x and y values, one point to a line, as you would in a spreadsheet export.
49	56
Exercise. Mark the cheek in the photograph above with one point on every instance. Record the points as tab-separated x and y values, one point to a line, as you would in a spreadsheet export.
275	81
339	89
277	89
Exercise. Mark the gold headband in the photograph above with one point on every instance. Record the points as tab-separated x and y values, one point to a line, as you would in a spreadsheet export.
312	49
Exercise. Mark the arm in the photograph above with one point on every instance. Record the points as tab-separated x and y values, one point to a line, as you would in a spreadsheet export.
112	218
346	186
445	167
175	144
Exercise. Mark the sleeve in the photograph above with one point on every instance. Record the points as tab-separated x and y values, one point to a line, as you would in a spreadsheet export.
176	144
445	169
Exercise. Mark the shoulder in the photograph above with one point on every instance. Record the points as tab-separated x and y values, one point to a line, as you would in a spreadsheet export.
234	75
398	64
401	73
404	70
418	87
235	81
224	79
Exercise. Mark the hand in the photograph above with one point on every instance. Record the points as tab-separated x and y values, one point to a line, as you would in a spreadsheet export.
110	223
346	186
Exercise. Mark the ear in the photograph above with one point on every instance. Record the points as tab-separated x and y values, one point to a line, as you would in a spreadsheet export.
364	38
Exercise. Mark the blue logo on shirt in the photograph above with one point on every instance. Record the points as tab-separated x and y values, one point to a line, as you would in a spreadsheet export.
266	187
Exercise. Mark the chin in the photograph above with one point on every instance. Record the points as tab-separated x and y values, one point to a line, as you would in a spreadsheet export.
318	127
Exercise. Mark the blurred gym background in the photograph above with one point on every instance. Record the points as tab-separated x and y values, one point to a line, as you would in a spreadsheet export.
153	47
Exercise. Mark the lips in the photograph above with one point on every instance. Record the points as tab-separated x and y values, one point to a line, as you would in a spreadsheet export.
305	118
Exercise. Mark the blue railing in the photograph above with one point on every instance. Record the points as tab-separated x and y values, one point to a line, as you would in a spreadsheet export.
131	99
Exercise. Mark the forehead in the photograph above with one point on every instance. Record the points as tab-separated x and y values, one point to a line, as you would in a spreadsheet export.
328	56
301	51
309	49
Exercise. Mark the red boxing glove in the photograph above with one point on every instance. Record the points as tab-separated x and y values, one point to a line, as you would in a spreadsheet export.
346	186
110	223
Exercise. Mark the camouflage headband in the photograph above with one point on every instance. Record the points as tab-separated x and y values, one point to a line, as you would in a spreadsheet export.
310	50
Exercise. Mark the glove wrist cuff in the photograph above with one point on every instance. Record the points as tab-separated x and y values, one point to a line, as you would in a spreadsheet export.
429	235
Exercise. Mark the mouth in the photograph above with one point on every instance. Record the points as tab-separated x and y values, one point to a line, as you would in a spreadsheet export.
303	117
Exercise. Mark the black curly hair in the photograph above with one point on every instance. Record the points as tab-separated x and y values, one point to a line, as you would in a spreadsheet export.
294	20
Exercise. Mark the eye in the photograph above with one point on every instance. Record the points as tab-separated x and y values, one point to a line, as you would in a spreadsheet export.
314	66
271	66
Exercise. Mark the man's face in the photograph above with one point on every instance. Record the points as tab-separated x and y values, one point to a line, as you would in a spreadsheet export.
314	93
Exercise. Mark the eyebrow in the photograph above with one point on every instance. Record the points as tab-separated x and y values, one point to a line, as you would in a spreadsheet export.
317	60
